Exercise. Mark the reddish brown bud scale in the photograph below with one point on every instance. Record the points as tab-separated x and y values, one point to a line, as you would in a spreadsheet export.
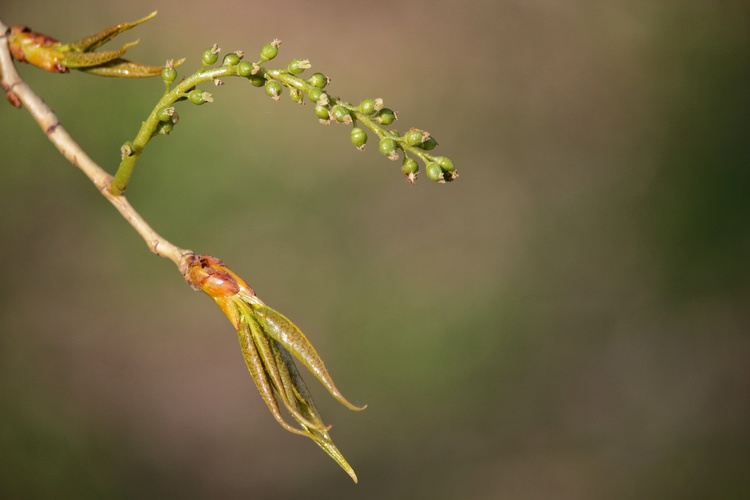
37	49
211	275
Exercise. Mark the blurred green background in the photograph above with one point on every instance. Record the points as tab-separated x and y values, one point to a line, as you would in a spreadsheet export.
568	320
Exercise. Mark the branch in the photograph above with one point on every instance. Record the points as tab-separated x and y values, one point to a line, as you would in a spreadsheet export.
19	93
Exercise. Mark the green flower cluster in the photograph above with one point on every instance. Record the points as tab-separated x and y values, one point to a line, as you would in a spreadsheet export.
411	147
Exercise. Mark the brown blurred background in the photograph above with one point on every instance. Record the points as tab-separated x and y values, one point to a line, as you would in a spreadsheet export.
568	320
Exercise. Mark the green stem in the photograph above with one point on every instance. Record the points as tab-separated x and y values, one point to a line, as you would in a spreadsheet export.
149	126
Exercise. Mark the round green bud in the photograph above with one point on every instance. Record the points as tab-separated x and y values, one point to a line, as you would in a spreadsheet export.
210	56
386	116
164	128
231	59
322	112
341	114
314	94
318	80
273	89
434	172
358	137
297	66
387	146
168	74
428	144
269	51
257	81
409	166
414	137
197	96
368	106
445	163
165	114
245	69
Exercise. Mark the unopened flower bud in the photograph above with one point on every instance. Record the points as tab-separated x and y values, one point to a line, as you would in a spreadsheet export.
269	50
387	147
341	114
386	116
273	89
318	80
297	66
210	55
358	138
435	173
199	97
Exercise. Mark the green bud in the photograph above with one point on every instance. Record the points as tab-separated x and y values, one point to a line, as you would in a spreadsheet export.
257	81
414	137
297	66
273	89
435	173
197	96
410	168
428	144
386	116
165	114
368	106
341	114
245	69
322	112
210	55
269	51
231	59
168	74
314	94
358	138
388	147
445	163
319	80
164	128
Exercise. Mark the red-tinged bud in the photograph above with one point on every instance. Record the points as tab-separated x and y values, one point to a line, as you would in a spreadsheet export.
37	49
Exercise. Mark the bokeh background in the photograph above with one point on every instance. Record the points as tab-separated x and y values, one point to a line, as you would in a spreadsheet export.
570	319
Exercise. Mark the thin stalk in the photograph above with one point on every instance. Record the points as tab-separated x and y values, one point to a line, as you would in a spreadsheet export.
16	88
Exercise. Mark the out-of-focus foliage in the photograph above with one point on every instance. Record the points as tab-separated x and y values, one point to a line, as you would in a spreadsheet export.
569	320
